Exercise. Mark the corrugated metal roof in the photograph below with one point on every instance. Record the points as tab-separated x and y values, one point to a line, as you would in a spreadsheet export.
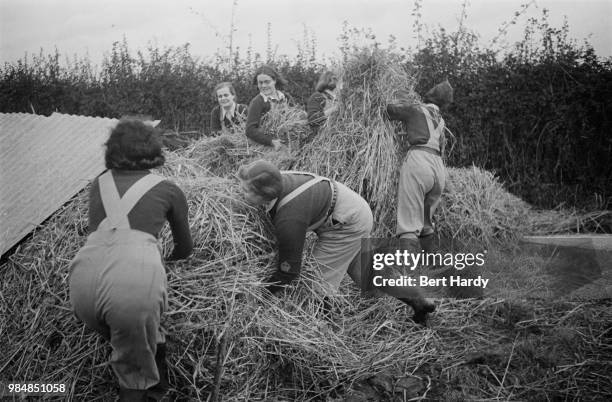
45	161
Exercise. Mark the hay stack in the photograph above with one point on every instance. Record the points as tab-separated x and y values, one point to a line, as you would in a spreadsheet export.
476	208
268	347
227	338
222	155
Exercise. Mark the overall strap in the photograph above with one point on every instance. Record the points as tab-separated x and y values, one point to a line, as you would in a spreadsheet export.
299	191
435	133
315	179
429	116
111	203
116	208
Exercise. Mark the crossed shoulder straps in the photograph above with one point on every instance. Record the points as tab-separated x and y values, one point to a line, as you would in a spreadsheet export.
117	208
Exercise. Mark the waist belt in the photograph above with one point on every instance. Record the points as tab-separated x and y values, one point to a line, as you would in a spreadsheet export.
424	148
316	179
334	198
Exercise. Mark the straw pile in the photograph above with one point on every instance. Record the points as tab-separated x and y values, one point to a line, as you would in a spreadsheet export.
218	315
226	338
222	155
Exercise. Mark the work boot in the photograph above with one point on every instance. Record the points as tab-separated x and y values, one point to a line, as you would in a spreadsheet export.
427	243
132	395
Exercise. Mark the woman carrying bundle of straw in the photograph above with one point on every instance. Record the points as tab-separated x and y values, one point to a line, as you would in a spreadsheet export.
117	280
321	103
228	115
422	175
299	202
269	82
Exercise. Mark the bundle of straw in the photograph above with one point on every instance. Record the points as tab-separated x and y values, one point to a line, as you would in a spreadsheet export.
223	155
287	123
358	145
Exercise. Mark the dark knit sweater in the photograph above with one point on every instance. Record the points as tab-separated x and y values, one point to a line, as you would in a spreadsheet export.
293	219
217	124
257	109
165	201
414	121
315	109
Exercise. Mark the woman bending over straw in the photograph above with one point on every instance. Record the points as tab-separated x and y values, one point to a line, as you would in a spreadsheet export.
322	103
299	202
117	280
228	115
270	96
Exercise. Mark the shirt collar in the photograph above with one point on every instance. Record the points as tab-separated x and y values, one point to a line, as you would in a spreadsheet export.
278	98
228	113
330	94
270	205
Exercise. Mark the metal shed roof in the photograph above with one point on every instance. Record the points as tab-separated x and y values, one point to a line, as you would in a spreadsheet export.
45	161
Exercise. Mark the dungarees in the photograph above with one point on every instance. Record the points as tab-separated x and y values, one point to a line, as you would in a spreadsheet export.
339	234
422	180
118	286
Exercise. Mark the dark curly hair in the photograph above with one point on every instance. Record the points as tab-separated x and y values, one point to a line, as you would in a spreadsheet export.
134	145
281	82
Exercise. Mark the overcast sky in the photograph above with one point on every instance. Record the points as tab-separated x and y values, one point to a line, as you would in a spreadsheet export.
80	27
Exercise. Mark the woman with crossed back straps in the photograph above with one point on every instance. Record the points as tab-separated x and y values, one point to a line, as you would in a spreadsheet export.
117	280
299	202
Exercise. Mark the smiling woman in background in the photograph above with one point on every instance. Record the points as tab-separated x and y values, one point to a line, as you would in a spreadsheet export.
269	83
228	114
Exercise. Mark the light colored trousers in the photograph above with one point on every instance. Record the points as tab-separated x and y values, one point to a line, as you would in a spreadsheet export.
338	245
118	288
422	180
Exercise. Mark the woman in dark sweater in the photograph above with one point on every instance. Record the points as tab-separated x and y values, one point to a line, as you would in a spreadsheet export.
117	280
270	84
298	202
228	114
322	103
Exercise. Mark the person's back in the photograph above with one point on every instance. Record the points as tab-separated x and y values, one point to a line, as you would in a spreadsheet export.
117	279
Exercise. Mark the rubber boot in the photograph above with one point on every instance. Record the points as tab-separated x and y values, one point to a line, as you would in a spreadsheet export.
427	243
421	306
